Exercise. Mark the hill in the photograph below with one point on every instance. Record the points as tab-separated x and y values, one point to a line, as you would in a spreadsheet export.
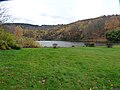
86	30
82	30
31	26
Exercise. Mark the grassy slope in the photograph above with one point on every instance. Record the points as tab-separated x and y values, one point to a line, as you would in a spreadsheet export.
78	68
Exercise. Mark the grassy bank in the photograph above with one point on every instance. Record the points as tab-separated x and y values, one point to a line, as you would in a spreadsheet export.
79	68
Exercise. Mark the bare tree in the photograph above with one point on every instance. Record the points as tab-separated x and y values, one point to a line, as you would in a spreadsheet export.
4	16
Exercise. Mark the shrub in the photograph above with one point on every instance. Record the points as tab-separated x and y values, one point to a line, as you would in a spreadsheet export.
6	40
26	42
73	45
9	41
3	47
109	45
16	47
113	36
55	45
90	44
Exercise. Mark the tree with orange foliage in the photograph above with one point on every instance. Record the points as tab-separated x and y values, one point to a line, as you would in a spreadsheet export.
18	31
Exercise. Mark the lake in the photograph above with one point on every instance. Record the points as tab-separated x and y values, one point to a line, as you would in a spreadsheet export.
68	44
60	43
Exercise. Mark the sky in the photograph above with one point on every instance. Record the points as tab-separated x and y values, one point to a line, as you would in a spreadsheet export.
52	12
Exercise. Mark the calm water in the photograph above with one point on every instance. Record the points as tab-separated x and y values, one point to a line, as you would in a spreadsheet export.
68	44
60	43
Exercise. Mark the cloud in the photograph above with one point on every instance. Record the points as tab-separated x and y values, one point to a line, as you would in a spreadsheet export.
60	11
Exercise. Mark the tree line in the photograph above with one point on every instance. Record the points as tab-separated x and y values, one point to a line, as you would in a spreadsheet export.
84	30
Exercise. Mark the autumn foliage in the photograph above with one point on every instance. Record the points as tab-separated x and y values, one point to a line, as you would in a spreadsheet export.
7	41
93	29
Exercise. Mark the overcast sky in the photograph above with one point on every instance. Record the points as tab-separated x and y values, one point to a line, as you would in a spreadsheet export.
59	11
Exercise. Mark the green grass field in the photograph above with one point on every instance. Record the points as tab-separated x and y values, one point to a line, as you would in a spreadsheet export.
78	68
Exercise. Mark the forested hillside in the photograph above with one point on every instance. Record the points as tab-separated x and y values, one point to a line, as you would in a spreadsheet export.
82	30
90	29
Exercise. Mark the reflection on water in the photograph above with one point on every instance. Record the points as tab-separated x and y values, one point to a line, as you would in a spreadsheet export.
60	43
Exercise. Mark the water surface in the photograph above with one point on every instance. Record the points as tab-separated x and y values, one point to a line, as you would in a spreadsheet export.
60	43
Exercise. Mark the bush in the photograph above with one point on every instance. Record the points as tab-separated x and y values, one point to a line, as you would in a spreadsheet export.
113	36
90	44
109	45
26	42
55	45
3	47
16	47
9	41
6	40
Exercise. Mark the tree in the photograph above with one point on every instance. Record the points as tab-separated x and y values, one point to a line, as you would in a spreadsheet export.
18	31
113	36
3	12
30	34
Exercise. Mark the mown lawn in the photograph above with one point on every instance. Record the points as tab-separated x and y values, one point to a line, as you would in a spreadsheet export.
78	68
